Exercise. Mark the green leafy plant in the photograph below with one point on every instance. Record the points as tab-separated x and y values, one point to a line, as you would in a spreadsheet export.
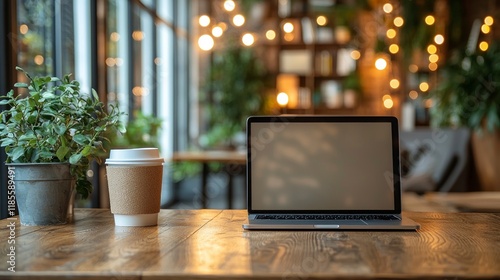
54	122
469	93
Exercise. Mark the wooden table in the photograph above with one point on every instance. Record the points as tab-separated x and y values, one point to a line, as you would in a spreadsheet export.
228	158
211	244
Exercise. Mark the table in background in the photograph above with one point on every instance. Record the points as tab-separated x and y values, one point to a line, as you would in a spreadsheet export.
211	244
228	158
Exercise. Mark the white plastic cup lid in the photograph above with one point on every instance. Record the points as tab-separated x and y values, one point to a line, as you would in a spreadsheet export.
134	156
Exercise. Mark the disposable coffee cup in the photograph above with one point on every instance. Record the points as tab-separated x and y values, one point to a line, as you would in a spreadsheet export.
135	182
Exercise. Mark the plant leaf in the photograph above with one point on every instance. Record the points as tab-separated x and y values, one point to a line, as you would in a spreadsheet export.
61	152
16	153
21	85
74	159
81	139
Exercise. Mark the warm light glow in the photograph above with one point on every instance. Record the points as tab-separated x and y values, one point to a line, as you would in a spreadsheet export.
288	27
386	96
217	31
206	42
485	29
388	103
140	91
289	37
439	39
424	86
431	49
394	48
394	83
204	20
321	20
483	46
23	29
433	66
391	33
270	34
38	59
413	68
158	61
229	5
433	58
114	36
223	25
398	21
488	20
430	20
380	64
118	61
248	39
110	62
238	20
428	103
282	99
355	54
138	35
387	7
413	94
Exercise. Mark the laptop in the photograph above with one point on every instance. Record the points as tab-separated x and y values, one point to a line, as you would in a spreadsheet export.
324	173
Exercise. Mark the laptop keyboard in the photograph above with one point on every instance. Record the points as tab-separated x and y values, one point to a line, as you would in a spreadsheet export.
324	217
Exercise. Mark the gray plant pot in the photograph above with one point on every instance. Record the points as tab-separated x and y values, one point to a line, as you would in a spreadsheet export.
43	192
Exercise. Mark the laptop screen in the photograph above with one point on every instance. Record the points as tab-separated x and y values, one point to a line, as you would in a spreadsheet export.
323	164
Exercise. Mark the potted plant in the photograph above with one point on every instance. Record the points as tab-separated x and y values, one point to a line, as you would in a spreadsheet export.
51	134
469	95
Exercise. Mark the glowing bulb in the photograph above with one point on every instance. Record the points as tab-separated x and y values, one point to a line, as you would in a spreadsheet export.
439	39
238	20
387	8
217	31
282	99
398	21
394	48
430	20
388	103
38	59
483	46
355	54
138	35
488	20
289	37
485	29
428	103
391	33
386	96
23	29
433	66
431	49
114	36
321	20
413	94
394	83
229	5
433	58
270	34
288	27
204	20
380	64
206	42
413	68
248	39
424	86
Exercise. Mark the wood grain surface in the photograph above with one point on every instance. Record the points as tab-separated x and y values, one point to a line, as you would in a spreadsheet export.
211	244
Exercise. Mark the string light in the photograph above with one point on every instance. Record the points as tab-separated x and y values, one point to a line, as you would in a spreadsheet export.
488	20
288	27
433	58
430	20
431	49
321	20
413	94
433	66
413	68
439	39
398	21
138	35
247	39
355	54
217	31
23	29
424	86
387	8
229	5
380	64
394	83
391	33
387	100
485	29
394	48
270	34
483	46
204	20
206	42
238	20
282	99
